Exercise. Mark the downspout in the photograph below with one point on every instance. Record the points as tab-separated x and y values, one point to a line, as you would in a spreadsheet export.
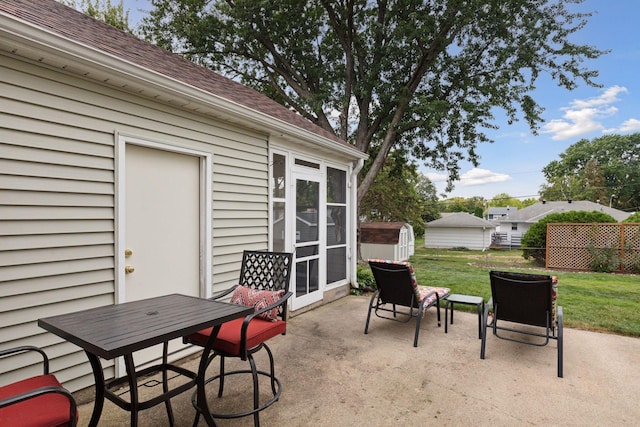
357	167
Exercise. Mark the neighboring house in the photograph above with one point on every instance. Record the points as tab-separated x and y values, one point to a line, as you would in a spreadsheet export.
494	214
129	172
459	230
386	240
515	225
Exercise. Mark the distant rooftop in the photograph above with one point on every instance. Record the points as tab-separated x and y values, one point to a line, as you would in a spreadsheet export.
539	210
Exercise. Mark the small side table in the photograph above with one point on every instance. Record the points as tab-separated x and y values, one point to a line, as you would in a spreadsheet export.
463	299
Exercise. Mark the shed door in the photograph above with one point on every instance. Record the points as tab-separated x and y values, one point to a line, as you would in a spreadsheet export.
161	244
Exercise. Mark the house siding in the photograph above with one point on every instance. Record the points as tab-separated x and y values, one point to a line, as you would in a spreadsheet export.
58	200
471	238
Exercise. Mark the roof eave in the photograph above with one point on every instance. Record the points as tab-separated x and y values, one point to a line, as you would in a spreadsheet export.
89	62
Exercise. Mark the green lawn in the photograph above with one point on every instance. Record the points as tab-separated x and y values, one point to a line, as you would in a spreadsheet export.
594	301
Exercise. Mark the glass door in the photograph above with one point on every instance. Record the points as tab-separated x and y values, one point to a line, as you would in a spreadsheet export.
309	222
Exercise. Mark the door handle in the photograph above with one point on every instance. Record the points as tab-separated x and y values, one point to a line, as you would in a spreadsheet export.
129	269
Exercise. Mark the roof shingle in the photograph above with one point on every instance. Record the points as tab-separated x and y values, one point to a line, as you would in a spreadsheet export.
67	22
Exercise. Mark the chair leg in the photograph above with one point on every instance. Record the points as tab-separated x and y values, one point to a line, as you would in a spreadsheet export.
419	315
272	367
485	317
256	391
560	356
366	326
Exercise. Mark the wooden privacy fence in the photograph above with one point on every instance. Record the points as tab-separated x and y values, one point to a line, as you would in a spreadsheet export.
574	246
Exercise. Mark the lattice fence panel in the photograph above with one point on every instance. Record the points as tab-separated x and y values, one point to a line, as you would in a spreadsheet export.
568	243
631	238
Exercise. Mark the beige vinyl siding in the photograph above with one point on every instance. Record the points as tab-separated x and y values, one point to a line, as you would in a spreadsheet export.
58	200
470	238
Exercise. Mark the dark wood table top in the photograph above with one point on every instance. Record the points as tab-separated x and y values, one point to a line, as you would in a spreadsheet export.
114	330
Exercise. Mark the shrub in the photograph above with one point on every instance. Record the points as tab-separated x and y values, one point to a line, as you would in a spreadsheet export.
534	241
633	218
365	280
604	260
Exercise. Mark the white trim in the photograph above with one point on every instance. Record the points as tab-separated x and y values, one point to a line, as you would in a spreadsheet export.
349	210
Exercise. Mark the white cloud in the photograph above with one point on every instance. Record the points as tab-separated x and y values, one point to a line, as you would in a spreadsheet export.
472	177
436	178
609	96
585	116
478	176
631	125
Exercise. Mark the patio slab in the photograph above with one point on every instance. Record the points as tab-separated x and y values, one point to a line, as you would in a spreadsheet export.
334	375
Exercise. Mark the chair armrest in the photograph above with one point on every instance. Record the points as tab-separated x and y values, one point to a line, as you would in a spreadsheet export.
250	317
223	293
489	303
278	303
31	394
7	401
27	348
487	308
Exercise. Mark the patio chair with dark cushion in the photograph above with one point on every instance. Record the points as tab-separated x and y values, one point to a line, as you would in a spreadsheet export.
397	286
36	401
523	305
263	284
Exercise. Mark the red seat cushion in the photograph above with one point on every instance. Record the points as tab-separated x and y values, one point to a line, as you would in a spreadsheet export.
50	409
228	339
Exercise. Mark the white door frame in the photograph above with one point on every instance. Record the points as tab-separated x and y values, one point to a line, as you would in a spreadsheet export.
304	173
205	211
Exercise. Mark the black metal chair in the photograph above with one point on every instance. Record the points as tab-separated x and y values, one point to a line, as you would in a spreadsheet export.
264	283
397	285
36	401
525	299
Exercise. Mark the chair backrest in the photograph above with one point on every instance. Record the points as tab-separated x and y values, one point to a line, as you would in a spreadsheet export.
267	271
521	298
395	283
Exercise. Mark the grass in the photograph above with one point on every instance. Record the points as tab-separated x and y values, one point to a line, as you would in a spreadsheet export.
604	302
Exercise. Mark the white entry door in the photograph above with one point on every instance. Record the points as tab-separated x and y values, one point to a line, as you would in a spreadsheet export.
163	225
310	223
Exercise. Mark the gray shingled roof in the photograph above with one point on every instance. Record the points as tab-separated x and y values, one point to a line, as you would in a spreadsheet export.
502	210
534	213
460	220
76	26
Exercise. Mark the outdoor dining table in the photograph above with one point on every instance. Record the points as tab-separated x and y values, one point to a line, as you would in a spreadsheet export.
118	330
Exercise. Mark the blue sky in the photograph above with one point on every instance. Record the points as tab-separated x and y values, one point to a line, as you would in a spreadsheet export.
513	163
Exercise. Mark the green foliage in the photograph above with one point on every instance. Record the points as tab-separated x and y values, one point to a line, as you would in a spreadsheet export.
535	239
365	280
399	193
103	10
504	199
422	76
605	169
470	205
604	260
633	218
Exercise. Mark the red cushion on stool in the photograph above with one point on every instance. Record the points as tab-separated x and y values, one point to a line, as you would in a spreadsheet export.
51	409
228	339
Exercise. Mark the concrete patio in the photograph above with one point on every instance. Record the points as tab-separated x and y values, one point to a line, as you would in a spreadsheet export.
334	375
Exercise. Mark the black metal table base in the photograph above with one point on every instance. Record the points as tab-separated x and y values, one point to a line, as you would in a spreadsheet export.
134	405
